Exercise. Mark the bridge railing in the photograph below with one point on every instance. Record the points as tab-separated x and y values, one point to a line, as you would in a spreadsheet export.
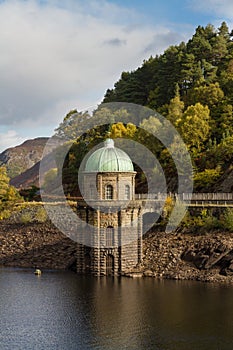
218	196
153	196
186	197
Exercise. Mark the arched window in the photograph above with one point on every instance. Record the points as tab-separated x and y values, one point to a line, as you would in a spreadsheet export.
109	192
109	236
127	192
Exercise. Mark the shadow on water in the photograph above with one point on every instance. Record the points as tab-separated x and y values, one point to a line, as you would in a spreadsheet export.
60	310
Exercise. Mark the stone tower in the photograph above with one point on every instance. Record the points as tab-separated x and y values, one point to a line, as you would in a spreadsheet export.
110	215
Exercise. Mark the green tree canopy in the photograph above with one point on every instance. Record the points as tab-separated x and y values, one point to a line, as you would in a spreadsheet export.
8	194
194	126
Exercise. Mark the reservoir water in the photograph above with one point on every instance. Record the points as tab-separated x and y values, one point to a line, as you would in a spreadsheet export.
61	310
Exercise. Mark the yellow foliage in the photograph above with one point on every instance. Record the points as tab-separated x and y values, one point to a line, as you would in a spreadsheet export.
119	130
168	206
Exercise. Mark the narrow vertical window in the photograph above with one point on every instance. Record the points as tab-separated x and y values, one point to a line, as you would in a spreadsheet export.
92	192
109	236
127	192
108	192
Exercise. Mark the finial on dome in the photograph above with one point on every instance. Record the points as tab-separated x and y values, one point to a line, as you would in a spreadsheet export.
109	143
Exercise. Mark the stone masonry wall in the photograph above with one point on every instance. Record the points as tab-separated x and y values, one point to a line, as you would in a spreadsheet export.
126	247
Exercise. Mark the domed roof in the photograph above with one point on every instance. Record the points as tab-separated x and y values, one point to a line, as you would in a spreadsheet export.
109	159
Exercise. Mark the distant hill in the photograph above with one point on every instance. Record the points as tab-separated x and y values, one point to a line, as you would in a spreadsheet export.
23	161
30	177
21	158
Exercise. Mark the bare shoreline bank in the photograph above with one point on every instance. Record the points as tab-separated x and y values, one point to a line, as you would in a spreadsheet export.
206	257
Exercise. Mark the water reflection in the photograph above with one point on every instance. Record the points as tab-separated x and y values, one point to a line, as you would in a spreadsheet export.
150	314
65	311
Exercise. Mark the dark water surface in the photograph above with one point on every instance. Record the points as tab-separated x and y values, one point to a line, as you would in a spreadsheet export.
60	310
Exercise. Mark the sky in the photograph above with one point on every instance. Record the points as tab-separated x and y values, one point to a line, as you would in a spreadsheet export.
58	55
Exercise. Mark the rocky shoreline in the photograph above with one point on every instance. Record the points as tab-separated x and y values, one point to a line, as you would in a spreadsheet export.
206	257
35	245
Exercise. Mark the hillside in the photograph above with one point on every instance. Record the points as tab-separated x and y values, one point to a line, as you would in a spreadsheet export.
30	177
206	59
20	158
191	85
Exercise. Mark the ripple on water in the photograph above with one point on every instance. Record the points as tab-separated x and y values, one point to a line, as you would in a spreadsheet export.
60	310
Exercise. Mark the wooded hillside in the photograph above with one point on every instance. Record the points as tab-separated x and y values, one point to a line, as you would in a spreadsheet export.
191	84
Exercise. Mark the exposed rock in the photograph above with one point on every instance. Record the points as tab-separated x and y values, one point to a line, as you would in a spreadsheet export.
35	245
148	273
207	257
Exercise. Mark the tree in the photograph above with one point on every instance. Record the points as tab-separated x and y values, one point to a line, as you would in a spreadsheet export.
200	44
194	126
187	64
167	75
204	180
120	130
175	108
209	72
8	194
132	86
73	125
226	123
4	184
208	95
220	44
226	79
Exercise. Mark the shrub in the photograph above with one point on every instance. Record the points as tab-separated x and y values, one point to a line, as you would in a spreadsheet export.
228	219
41	215
5	214
203	221
168	206
26	218
206	179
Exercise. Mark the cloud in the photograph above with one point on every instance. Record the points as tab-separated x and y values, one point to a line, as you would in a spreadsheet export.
9	139
56	56
115	42
219	7
164	38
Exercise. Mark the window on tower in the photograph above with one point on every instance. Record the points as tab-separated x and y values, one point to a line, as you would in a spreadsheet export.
127	192
109	236
109	192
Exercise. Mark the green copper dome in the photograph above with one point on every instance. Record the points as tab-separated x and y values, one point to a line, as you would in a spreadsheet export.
109	159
